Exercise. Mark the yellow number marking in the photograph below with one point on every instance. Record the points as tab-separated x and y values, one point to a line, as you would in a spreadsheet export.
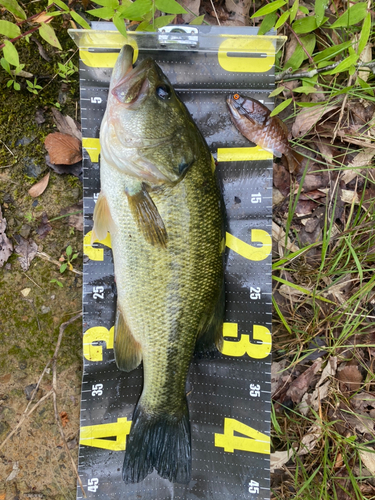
95	334
248	251
94	435
246	45
243	154
256	441
95	253
243	345
92	147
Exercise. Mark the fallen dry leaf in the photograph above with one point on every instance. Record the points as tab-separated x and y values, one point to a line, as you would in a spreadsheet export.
278	235
63	149
64	418
307	118
45	227
312	401
308	442
26	249
42	18
39	188
362	159
75	219
350	379
6	247
300	385
66	124
368	458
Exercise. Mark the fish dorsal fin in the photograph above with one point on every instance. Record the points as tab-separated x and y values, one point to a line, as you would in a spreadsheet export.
148	218
102	219
128	353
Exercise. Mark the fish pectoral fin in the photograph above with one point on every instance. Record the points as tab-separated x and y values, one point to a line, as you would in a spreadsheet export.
211	335
102	219
148	218
276	153
128	354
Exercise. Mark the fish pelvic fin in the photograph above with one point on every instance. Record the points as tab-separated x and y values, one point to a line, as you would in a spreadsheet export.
148	218
294	160
102	219
161	442
128	354
211	335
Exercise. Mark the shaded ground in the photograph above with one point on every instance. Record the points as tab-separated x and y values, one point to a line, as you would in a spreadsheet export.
34	463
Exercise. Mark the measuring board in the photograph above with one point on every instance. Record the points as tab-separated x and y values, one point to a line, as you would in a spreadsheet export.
228	392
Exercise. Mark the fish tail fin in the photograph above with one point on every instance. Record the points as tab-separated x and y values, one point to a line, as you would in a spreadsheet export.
294	160
160	441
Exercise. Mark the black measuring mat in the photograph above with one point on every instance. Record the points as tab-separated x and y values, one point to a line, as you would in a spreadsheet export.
229	392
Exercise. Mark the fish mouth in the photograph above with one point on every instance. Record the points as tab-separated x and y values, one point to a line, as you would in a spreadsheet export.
132	86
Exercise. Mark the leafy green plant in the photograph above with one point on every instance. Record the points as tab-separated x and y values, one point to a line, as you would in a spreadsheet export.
23	27
66	70
68	259
58	283
319	45
139	10
33	87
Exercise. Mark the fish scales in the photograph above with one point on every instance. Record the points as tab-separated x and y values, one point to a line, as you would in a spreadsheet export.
161	203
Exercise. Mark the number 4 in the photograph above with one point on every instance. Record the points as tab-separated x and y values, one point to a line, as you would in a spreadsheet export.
256	441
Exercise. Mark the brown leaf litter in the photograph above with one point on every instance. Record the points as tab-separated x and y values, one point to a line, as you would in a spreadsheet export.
6	247
39	188
63	149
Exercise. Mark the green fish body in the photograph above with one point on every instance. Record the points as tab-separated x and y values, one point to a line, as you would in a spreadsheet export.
161	203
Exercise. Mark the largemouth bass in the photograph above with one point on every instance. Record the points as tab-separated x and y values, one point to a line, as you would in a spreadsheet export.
253	120
161	203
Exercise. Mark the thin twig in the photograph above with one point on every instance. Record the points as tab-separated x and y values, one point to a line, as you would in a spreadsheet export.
287	75
45	256
217	17
54	386
26	413
301	44
338	123
11	152
35	283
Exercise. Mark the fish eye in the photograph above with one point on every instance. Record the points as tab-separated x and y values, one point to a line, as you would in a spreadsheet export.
236	96
163	92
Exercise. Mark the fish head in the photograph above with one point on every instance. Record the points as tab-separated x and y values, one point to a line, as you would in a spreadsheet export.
242	107
148	128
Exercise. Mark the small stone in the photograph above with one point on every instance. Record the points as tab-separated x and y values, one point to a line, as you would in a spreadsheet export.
25	292
45	309
25	231
29	390
8	266
24	141
35	203
4	429
53	297
22	365
32	168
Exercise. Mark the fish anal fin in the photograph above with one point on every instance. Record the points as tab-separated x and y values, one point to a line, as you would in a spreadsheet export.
148	218
102	219
211	335
128	354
